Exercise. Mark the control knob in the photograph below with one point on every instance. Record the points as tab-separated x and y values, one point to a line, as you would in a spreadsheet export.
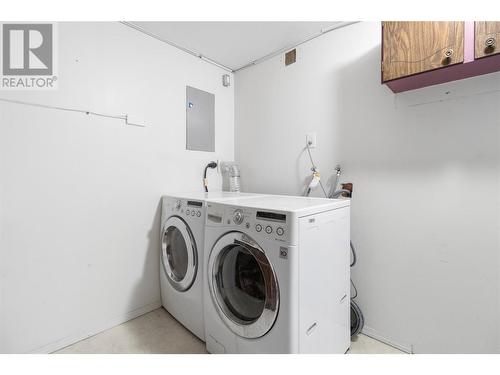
238	217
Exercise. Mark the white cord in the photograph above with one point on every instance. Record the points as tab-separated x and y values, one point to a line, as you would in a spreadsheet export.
119	117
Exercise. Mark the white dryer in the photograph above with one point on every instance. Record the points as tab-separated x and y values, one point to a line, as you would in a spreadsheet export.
182	233
277	275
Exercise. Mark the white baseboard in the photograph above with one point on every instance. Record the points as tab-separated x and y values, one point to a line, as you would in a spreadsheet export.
93	330
374	334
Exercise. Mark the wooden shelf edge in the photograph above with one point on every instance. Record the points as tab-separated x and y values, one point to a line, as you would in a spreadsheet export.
448	74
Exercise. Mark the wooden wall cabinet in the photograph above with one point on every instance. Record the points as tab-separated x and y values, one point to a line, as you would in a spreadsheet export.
420	54
487	35
416	47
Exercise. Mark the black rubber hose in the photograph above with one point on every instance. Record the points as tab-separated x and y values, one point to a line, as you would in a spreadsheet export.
212	165
357	319
354	258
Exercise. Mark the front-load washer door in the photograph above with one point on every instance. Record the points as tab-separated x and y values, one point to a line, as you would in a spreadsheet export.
179	255
243	285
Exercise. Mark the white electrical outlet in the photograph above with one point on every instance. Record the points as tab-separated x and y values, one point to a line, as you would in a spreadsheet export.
311	139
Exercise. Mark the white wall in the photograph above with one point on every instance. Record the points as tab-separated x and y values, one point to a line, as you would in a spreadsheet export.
80	195
425	168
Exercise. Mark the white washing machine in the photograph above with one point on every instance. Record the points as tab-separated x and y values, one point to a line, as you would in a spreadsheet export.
182	233
277	275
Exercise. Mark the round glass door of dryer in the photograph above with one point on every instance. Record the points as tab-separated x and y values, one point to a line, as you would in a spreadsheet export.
179	254
243	285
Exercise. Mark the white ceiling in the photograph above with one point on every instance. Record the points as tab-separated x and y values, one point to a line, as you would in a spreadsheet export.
235	44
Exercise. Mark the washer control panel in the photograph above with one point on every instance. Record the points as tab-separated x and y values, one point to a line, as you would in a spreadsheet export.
269	224
186	208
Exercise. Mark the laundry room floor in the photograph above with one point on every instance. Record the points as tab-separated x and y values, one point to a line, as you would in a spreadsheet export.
158	332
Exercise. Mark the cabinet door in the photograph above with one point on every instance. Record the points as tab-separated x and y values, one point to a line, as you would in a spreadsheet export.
487	37
415	47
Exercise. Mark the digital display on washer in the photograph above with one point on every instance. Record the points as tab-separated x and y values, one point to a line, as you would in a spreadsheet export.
195	203
214	218
273	216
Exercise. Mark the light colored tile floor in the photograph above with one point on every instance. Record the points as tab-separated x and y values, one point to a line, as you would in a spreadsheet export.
367	345
158	332
154	332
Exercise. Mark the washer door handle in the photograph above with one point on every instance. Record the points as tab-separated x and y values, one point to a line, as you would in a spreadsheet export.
311	328
247	244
